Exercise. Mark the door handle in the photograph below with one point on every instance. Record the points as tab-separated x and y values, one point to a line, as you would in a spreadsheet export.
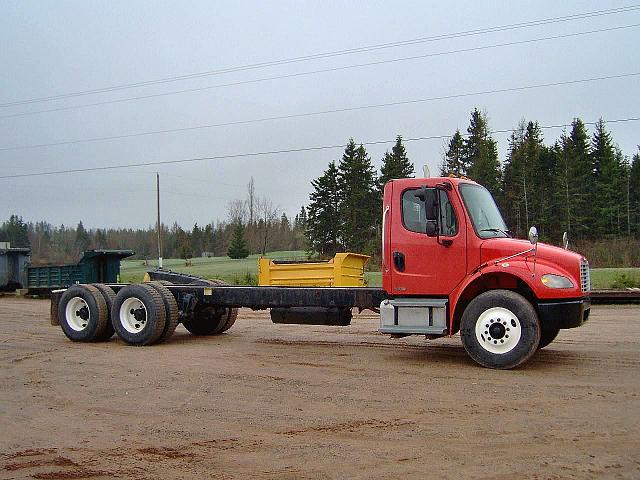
384	244
398	261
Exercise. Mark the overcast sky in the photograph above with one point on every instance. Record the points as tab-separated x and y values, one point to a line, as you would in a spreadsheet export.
53	48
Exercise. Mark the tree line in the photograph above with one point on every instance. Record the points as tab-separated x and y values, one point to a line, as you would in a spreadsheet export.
344	207
582	184
262	227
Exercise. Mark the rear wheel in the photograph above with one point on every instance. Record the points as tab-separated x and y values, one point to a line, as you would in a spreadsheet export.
170	309
138	314
231	313
210	320
500	329
231	319
83	314
547	335
109	296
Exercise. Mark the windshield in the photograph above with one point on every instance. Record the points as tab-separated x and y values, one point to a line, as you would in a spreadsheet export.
484	213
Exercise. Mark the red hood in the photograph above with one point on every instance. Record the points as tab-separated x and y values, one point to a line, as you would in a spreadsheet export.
497	248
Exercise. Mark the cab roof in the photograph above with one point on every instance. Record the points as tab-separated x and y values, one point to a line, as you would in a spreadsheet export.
432	181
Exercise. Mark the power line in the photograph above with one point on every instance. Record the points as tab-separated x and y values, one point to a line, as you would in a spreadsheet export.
326	70
335	53
272	152
321	112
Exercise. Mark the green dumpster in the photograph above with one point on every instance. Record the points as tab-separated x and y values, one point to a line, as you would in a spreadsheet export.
95	266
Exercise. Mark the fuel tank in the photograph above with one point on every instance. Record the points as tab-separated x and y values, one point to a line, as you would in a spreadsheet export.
312	316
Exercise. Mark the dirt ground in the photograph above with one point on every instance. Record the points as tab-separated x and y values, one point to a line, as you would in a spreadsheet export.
292	402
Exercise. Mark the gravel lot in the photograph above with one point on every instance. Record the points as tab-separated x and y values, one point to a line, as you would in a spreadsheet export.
291	402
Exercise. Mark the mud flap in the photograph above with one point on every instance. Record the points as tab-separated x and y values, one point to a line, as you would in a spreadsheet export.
53	312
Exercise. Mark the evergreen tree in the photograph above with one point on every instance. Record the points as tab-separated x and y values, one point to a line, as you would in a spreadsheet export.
238	246
184	247
82	238
321	221
546	190
634	194
481	154
513	181
528	186
395	164
300	219
454	161
535	178
577	181
207	238
15	231
624	211
196	240
360	203
298	237
608	183
100	240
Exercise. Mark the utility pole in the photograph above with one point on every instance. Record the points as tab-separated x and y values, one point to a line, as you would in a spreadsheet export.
628	203
158	224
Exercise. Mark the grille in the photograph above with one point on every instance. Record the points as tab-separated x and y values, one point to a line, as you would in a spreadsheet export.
585	277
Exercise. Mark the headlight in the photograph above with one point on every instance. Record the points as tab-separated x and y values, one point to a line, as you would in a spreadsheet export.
556	281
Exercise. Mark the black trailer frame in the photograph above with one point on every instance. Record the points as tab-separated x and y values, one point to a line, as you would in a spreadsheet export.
191	292
188	288
261	298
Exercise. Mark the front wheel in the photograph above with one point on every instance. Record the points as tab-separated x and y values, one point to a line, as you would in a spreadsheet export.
500	329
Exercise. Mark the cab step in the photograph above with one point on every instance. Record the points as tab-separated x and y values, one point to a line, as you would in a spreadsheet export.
414	316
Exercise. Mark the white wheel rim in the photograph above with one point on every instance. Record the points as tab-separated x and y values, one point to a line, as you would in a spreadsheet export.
498	330
133	315
77	314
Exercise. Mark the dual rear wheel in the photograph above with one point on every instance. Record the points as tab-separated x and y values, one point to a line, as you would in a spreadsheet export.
140	314
83	313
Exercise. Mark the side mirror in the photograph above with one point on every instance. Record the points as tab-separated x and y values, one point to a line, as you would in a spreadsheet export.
533	235
431	228
421	193
565	240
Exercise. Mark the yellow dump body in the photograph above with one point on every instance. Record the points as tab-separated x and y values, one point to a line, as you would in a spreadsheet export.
344	270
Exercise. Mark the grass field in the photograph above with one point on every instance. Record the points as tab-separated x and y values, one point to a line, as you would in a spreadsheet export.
234	271
606	277
223	268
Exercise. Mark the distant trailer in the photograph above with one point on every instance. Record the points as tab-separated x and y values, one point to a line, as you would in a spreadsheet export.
13	266
95	266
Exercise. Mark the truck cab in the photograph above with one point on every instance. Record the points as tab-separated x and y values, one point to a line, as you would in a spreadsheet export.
450	265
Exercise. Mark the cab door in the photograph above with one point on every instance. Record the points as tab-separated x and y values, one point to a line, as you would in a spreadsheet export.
421	264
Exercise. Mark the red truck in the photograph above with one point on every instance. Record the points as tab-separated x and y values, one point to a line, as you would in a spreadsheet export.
449	265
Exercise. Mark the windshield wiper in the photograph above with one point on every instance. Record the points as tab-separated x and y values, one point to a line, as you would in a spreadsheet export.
499	230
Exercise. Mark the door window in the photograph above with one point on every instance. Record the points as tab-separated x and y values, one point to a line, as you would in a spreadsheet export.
415	214
448	222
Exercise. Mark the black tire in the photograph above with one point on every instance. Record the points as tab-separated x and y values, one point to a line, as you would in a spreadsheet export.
138	314
109	296
500	329
83	314
231	314
547	335
170	309
231	319
207	320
